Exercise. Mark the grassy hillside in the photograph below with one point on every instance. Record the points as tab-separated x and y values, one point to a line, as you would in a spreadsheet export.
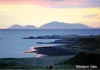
89	49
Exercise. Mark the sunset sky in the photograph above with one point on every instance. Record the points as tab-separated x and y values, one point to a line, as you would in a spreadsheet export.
39	12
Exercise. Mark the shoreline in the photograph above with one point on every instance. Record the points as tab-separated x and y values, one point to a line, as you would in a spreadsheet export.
52	51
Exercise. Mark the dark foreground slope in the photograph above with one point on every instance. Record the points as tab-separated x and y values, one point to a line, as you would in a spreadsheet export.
31	63
89	53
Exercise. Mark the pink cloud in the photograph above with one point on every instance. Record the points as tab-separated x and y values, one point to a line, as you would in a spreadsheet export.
35	2
51	3
43	2
72	2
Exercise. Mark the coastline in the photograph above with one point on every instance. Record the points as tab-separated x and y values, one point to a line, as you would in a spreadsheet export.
84	51
52	51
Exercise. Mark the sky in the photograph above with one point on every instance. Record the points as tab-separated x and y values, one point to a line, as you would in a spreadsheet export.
40	12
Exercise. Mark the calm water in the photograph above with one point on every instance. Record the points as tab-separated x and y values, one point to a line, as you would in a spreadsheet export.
12	44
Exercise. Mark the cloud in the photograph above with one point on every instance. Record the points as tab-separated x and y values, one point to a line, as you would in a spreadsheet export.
57	3
78	4
92	3
56	0
91	16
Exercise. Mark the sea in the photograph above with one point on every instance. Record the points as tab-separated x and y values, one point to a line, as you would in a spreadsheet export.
12	45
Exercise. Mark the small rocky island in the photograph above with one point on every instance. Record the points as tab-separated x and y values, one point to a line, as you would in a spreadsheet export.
51	37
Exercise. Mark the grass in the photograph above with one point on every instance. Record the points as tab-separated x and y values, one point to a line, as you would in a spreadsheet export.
89	49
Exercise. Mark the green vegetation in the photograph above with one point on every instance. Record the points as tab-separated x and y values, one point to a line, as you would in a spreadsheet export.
89	49
18	63
30	63
82	59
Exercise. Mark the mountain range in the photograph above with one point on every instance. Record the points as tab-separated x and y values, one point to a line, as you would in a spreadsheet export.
53	25
21	27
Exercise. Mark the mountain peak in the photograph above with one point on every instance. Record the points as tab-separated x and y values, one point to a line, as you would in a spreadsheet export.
16	26
62	25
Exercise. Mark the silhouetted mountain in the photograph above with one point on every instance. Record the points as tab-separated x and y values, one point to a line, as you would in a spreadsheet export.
30	27
61	25
52	25
21	27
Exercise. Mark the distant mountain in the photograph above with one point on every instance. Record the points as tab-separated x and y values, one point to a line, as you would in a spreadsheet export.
21	27
30	27
52	25
61	25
